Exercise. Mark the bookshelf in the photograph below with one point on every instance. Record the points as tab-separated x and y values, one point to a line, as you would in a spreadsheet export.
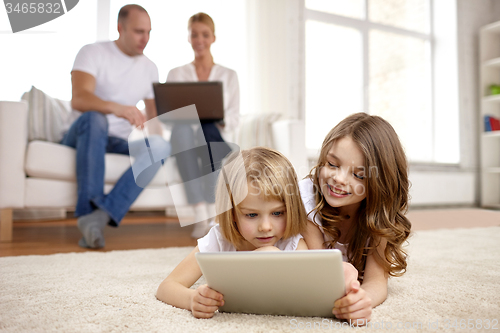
489	55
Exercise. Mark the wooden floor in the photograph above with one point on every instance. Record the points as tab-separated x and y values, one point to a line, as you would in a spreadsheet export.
135	232
157	231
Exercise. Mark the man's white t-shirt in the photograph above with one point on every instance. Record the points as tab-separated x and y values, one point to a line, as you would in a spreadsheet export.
215	242
119	78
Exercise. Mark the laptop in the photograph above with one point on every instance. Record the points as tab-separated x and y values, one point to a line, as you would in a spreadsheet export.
292	283
206	96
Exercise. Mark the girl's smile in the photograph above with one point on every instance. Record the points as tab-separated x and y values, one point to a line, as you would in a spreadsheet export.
337	192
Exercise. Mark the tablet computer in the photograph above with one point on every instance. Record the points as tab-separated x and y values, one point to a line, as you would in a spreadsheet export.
293	283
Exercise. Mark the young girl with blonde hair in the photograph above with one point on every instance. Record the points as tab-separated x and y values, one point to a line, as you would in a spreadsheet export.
259	209
356	197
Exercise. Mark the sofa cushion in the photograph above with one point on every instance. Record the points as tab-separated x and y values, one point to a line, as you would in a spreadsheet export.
59	193
50	160
48	117
49	193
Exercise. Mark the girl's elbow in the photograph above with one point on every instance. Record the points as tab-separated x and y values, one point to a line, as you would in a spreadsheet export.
377	302
160	295
163	291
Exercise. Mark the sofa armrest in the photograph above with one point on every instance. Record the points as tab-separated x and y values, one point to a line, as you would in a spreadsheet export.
289	138
13	140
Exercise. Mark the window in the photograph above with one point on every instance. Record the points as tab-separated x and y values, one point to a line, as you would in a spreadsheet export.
375	56
43	56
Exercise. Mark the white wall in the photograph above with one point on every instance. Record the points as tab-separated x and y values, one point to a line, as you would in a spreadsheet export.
274	29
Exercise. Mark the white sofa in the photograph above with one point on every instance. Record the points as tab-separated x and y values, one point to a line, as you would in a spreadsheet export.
41	174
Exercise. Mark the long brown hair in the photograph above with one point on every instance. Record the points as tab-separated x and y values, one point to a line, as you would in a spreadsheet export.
381	213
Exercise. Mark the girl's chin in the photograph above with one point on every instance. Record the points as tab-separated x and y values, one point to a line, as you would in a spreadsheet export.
333	202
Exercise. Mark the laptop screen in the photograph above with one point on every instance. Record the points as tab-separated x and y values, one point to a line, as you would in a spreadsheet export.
207	96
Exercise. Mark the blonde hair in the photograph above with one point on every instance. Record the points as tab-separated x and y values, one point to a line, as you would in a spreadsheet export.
381	213
203	18
267	171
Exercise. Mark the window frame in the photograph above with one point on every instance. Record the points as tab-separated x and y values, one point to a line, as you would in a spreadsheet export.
364	26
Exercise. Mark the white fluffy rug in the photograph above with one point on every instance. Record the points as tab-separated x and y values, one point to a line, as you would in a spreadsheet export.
453	277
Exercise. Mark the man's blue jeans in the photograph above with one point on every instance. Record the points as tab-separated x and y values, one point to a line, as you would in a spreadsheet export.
89	136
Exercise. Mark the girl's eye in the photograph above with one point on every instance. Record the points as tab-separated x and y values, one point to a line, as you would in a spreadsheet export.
332	165
251	215
358	176
278	213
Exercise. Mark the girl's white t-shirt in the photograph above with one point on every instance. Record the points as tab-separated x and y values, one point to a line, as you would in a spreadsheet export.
308	196
215	242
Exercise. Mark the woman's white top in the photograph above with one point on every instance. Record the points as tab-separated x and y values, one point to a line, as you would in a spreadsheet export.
230	88
215	242
307	194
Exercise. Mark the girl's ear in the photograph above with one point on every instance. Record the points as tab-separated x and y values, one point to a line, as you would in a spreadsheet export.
235	224
234	218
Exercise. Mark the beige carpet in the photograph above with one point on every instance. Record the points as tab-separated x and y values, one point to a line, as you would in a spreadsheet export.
452	275
428	219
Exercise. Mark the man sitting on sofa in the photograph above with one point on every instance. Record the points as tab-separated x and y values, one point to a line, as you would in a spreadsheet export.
108	80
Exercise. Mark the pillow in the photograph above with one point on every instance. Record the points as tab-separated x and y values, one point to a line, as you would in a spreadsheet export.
48	118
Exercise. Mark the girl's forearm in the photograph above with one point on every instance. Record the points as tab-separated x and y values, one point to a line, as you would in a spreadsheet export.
175	294
376	291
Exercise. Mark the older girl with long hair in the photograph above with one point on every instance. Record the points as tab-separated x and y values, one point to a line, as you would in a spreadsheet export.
356	197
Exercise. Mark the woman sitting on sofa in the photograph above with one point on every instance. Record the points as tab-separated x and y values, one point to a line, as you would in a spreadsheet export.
200	194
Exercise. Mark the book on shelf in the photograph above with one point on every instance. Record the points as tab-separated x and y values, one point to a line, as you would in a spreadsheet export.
491	124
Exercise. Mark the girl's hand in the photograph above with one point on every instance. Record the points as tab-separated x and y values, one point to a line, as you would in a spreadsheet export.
267	248
350	275
205	301
356	305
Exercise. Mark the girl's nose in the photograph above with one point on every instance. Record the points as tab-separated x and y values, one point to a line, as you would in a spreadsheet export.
340	176
265	225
